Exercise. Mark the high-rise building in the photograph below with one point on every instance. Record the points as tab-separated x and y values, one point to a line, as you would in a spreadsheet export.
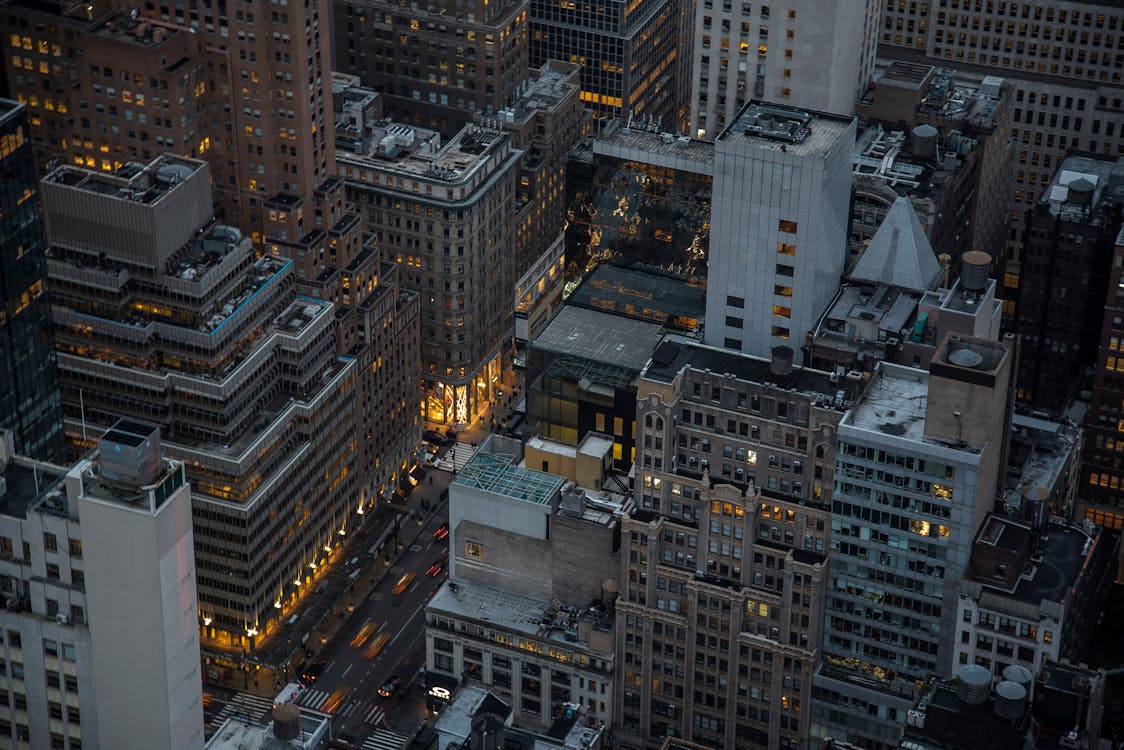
163	314
245	88
446	214
1063	61
809	54
724	564
780	218
29	400
918	466
81	606
1066	257
634	56
437	65
1100	496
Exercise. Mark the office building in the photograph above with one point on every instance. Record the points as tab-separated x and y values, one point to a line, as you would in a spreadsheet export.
808	54
779	224
163	314
582	373
676	304
244	89
1102	470
938	136
437	65
446	214
1067	252
79	605
917	470
29	400
1033	592
634	57
527	611
724	565
639	198
1062	60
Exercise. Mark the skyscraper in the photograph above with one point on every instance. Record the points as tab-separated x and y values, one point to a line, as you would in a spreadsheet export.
81	607
918	465
29	399
809	54
780	216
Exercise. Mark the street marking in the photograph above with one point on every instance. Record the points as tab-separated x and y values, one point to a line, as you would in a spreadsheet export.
349	666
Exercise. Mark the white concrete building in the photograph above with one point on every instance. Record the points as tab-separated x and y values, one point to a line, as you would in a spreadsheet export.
100	643
812	54
780	216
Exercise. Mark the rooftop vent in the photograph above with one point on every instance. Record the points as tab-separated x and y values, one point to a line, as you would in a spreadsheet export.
789	125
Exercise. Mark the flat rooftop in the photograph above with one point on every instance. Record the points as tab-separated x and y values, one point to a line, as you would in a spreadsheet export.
458	161
640	295
1103	178
134	182
621	141
456	718
677	352
500	473
775	127
600	337
238	734
544	92
1050	573
124	27
25	484
516	613
1040	452
894	403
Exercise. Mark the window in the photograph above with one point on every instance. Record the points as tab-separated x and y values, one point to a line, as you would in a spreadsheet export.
75	546
735	301
473	549
50	542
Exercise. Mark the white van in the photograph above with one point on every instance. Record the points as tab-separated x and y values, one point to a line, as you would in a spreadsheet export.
288	694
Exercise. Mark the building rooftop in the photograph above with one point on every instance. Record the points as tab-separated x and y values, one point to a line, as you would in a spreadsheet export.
952	723
549	86
135	182
1083	186
1040	451
25	483
636	143
240	734
127	27
899	254
642	295
775	127
894	403
409	152
519	614
677	352
456	718
600	337
889	307
501	474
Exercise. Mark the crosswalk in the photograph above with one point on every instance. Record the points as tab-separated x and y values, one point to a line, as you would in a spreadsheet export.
459	454
383	739
369	712
244	706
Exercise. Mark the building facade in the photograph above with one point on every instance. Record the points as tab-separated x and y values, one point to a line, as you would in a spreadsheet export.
67	583
1066	251
446	215
917	470
1102	470
807	54
436	66
779	226
163	314
1063	60
29	401
723	565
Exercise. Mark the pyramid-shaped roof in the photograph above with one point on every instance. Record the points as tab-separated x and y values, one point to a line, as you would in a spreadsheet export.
899	254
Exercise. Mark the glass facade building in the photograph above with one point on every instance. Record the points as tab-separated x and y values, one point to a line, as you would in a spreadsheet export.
29	396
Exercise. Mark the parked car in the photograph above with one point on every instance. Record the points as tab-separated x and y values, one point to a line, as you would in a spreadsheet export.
433	436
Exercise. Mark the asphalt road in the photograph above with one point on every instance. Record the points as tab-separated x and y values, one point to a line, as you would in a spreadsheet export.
401	617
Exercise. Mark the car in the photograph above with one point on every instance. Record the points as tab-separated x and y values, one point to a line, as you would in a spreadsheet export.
376	646
438	566
433	436
390	687
311	672
364	635
451	434
335	700
431	461
442	532
403	583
